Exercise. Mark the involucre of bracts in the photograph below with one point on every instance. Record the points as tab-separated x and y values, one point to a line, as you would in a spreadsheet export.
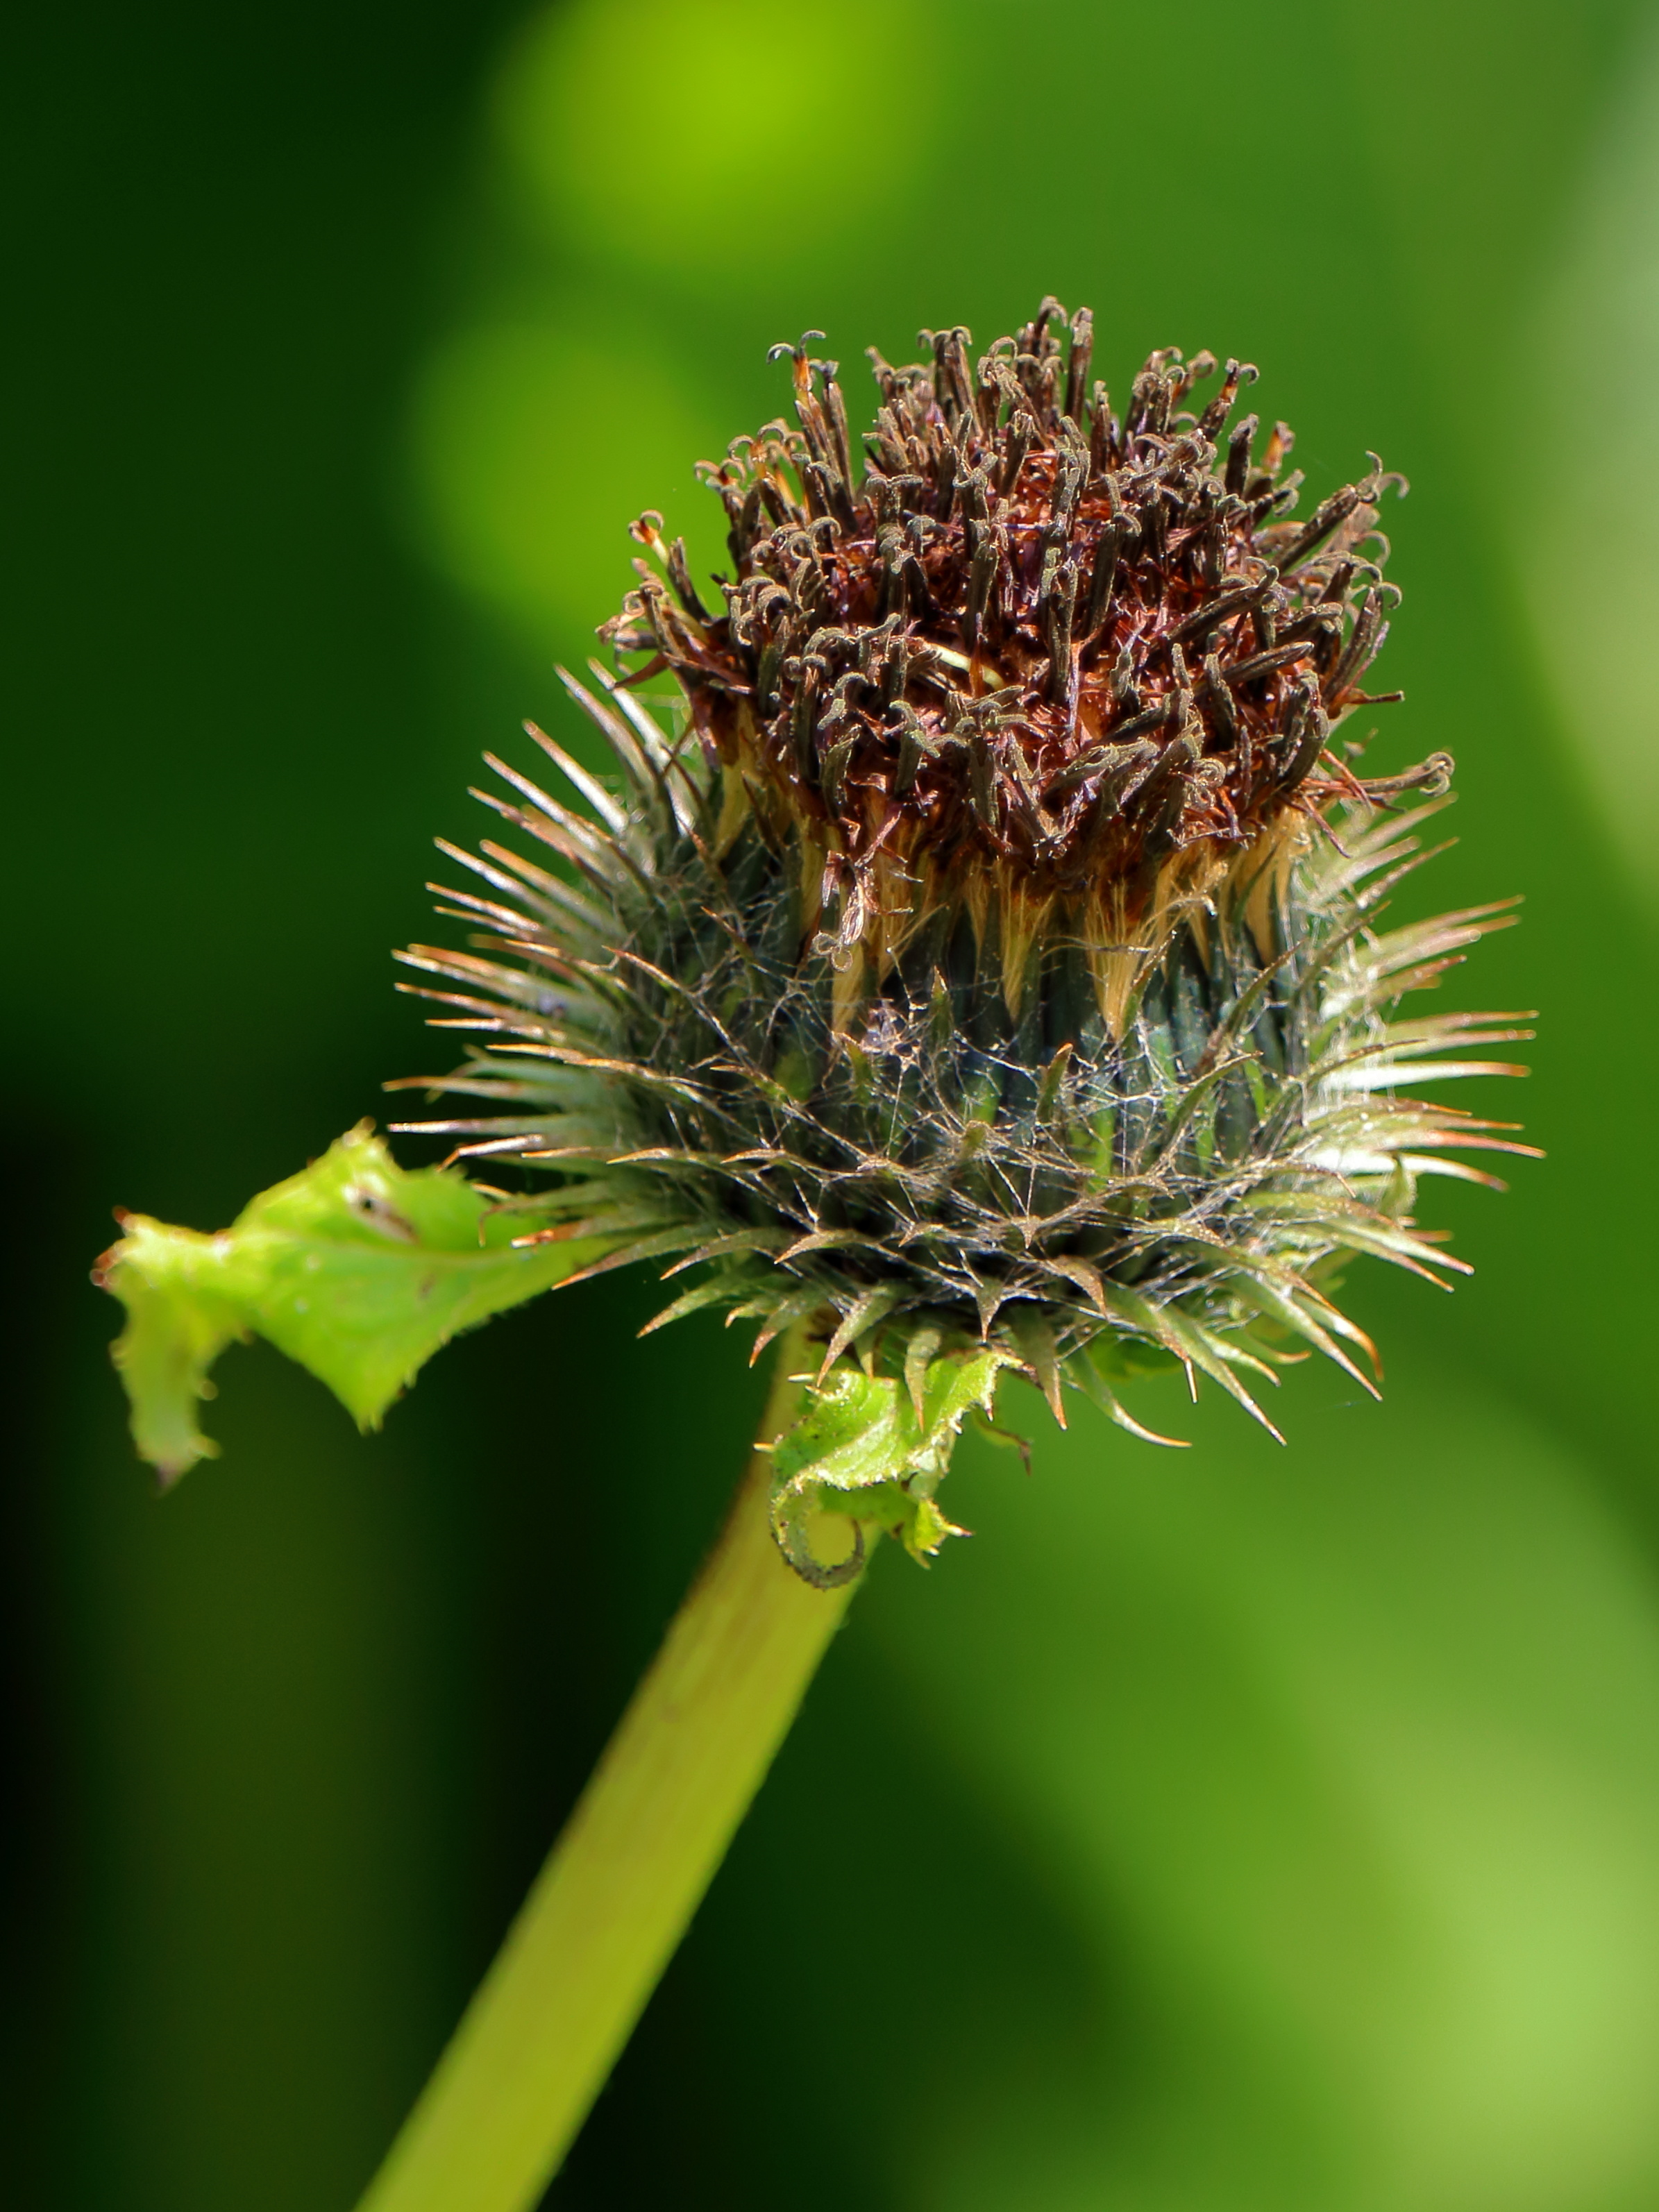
978	956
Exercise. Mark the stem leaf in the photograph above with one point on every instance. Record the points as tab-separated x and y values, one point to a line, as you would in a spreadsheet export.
357	1268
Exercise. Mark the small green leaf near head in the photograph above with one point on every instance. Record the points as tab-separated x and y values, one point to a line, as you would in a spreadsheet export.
859	1448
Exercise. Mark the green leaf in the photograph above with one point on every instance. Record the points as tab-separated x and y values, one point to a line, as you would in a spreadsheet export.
358	1268
861	1449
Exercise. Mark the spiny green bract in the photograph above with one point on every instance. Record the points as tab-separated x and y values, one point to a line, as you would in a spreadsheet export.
977	958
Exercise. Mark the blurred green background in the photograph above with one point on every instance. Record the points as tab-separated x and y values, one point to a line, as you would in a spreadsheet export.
1293	1842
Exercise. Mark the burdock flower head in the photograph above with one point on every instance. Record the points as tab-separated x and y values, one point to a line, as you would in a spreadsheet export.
975	960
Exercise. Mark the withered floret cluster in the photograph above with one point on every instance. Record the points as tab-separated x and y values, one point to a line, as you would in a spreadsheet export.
1035	652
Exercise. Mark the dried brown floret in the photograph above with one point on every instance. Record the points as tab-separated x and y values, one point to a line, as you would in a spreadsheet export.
1037	660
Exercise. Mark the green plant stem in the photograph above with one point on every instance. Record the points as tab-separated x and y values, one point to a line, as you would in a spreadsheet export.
621	1885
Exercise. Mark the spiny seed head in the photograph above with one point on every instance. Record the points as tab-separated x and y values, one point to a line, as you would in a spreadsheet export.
984	953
